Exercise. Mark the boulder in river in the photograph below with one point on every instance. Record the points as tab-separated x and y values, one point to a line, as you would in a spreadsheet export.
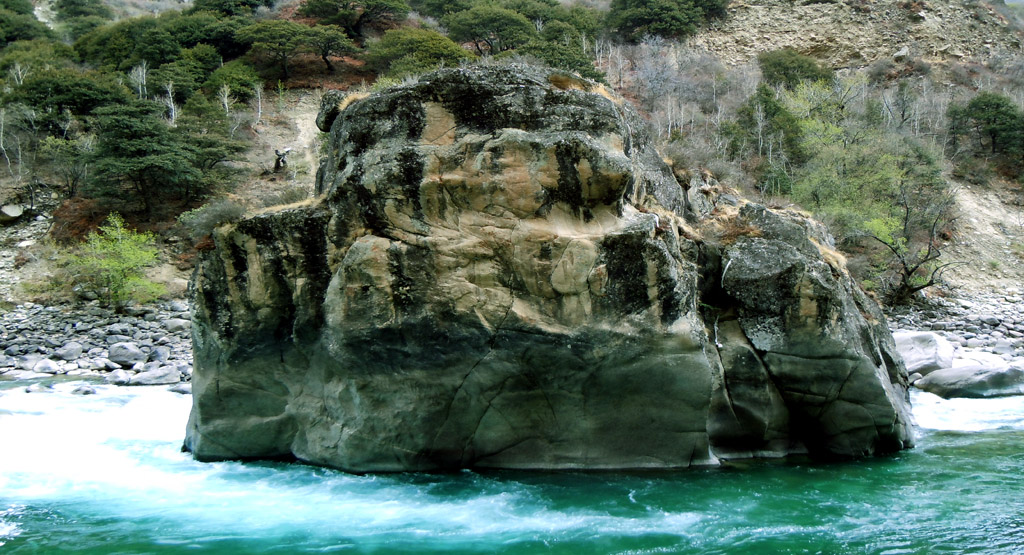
924	351
975	381
499	270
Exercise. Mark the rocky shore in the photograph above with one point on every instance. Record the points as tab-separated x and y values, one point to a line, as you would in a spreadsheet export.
147	345
967	346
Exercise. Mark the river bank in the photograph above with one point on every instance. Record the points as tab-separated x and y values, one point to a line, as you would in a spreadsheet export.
148	345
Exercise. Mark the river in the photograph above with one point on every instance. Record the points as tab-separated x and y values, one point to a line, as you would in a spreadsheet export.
104	474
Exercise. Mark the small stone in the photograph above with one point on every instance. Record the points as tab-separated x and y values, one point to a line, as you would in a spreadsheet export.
83	390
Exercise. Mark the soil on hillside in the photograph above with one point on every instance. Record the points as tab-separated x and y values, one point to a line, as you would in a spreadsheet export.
989	243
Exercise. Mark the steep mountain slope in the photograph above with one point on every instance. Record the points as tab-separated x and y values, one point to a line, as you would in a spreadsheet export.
853	33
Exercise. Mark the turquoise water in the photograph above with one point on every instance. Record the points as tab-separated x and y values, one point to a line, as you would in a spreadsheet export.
104	474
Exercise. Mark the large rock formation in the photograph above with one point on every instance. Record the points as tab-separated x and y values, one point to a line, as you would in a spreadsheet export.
499	271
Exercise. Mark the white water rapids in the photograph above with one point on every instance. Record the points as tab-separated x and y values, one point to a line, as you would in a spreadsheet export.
108	467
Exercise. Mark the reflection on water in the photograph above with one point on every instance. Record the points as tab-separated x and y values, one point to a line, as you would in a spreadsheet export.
105	473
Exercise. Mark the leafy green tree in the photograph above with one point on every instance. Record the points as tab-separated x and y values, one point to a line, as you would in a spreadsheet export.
991	118
276	38
77	27
70	9
635	19
209	28
770	129
111	264
357	16
329	40
23	7
183	75
498	28
56	92
228	7
119	45
787	68
239	76
16	26
36	55
404	51
137	151
563	55
871	183
440	8
205	132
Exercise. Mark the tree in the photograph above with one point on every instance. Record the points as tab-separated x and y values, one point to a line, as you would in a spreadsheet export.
239	76
68	160
18	26
787	68
872	185
498	28
992	117
111	264
55	92
329	40
356	16
137	151
635	19
69	9
277	38
404	51
206	133
440	8
228	7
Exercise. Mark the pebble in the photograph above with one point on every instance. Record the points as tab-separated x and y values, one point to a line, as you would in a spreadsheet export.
88	340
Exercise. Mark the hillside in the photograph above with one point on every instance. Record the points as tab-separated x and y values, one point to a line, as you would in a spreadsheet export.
854	33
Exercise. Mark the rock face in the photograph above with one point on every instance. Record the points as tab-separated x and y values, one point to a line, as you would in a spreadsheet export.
500	271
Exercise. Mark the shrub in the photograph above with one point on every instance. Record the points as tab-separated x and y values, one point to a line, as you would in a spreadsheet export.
788	68
110	264
203	220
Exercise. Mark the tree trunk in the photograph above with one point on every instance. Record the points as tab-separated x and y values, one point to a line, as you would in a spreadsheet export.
330	68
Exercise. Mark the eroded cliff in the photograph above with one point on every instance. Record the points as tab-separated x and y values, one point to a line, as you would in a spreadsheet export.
499	271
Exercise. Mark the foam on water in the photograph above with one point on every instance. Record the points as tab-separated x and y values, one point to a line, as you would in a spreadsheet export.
108	467
967	415
118	453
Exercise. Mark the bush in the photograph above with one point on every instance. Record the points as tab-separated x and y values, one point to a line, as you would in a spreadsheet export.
203	220
111	265
788	68
403	52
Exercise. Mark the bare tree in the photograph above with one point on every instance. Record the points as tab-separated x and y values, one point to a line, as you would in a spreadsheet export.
137	77
226	99
168	100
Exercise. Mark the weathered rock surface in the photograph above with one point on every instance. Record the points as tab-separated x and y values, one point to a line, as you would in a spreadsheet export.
500	271
923	351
